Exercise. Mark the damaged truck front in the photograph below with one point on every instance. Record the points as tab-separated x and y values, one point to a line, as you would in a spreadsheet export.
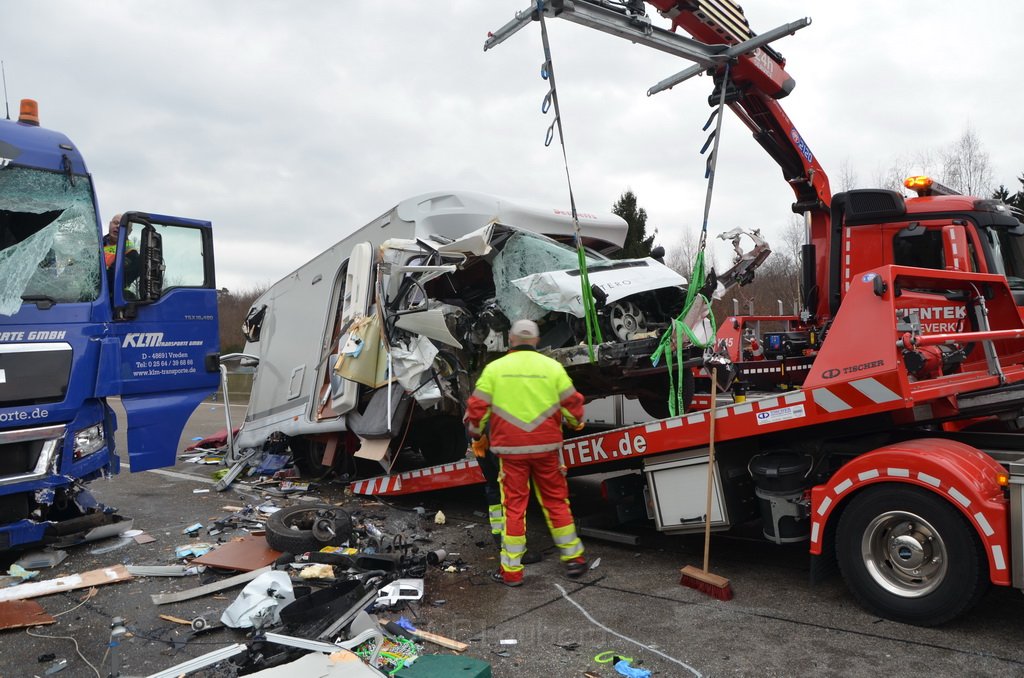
370	350
82	320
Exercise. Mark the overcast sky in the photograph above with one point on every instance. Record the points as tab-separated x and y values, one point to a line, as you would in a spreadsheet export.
289	124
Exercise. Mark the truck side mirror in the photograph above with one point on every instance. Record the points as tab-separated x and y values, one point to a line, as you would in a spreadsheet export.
151	278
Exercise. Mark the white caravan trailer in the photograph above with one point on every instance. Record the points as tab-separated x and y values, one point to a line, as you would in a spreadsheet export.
372	347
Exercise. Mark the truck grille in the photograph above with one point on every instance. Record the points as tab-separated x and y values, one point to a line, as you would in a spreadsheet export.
33	374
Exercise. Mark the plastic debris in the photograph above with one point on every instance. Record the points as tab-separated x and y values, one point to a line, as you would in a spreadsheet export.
40	559
260	602
20	572
623	668
195	527
400	589
508	641
439	518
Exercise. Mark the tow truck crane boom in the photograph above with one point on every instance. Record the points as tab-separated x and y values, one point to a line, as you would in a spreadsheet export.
757	79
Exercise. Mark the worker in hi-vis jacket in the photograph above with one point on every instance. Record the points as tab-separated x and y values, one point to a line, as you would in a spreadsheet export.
522	400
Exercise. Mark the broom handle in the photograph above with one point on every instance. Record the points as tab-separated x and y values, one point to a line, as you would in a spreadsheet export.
711	470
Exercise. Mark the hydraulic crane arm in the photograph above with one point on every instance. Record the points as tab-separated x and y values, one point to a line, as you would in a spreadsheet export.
757	79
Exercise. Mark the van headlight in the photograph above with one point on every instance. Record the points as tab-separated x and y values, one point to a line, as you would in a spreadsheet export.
89	441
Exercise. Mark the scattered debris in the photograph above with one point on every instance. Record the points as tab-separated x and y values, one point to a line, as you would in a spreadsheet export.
622	667
161	570
144	539
37	560
230	582
439	518
106	575
56	667
19	572
17	614
114	545
320	571
258	605
192	550
400	589
243	555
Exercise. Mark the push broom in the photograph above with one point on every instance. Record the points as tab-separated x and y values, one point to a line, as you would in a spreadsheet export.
693	577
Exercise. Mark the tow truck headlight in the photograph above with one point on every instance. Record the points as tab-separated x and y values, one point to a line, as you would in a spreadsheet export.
89	441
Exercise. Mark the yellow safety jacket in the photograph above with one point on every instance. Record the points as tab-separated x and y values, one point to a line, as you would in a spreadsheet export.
523	397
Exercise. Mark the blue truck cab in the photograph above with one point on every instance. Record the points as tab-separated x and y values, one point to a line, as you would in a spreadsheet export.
83	320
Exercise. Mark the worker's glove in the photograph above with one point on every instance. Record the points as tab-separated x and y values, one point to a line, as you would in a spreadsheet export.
578	427
479	446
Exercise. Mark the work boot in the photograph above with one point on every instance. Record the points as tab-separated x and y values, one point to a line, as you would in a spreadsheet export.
576	568
532	557
497	576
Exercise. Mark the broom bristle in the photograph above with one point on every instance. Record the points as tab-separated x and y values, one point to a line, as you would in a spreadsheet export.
706	582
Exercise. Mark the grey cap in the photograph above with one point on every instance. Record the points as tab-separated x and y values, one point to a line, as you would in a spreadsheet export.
524	329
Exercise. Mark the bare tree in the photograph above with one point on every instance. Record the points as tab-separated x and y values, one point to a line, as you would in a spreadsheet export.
847	178
966	166
680	257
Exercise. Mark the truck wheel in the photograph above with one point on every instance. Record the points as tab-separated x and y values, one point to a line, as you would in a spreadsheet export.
298	529
907	555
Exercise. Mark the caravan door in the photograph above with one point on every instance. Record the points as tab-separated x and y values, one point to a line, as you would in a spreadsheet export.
353	302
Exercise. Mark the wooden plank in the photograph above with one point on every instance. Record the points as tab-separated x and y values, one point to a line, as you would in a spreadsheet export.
19	614
441	640
106	575
230	582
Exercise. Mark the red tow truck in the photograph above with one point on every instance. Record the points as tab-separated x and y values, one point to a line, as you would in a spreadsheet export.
882	425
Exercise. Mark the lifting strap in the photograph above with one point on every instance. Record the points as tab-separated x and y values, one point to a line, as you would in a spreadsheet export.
551	101
673	337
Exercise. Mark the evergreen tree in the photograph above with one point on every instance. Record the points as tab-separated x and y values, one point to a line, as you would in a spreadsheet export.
638	243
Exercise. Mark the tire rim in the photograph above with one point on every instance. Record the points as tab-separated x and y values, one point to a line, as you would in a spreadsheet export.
904	554
626	320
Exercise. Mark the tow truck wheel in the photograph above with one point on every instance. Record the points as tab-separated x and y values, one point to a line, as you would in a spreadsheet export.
908	555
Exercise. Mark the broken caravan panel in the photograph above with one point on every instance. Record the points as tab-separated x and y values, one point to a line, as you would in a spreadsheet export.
66	342
303	318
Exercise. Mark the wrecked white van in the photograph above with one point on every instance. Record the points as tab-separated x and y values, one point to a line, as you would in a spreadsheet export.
372	347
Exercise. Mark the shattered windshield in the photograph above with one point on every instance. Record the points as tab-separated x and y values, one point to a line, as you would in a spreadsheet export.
524	254
49	246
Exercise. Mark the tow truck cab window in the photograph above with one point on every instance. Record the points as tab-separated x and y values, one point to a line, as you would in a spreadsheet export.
919	247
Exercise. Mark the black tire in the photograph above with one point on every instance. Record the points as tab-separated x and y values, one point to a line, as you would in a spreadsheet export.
308	456
910	556
290	529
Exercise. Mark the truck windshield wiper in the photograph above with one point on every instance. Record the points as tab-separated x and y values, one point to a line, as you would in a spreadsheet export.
41	301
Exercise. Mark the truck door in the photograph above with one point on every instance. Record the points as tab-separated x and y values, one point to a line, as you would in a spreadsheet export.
162	355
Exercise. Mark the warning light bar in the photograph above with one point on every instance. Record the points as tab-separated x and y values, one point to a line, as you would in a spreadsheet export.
925	186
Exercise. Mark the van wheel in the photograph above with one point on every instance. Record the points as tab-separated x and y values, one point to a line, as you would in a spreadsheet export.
308	455
298	529
908	555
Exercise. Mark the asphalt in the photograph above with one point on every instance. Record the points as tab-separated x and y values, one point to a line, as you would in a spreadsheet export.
629	605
